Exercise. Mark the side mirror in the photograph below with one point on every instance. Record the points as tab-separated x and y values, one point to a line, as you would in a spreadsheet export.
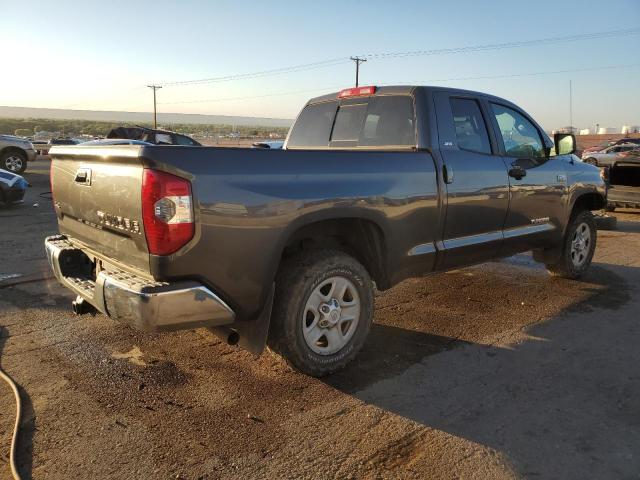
565	143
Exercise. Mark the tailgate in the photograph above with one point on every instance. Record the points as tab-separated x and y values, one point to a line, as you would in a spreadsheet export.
97	198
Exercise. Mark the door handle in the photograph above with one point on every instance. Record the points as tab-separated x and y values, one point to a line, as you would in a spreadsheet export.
517	172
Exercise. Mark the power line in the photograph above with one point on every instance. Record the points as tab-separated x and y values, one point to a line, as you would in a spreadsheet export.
528	74
252	97
332	88
387	55
265	73
501	46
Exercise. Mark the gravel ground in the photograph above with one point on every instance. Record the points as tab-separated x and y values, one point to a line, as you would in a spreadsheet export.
495	371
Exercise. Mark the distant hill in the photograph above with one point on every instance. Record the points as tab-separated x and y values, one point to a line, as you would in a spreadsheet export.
133	117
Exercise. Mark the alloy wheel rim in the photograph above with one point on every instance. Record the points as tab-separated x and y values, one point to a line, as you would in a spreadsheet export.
331	315
580	244
13	163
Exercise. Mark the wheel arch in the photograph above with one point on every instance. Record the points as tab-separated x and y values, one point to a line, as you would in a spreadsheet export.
13	148
360	236
588	201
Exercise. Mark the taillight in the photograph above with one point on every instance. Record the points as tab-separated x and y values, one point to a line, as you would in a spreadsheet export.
167	211
357	92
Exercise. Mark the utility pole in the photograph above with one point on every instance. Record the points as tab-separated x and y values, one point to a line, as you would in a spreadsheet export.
570	107
155	117
358	61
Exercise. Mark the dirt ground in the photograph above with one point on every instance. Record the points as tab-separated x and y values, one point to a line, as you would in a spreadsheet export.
491	372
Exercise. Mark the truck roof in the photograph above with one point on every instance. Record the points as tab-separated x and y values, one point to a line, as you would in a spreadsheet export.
408	90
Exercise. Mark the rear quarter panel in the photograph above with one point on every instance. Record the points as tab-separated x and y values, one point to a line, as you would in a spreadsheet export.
248	203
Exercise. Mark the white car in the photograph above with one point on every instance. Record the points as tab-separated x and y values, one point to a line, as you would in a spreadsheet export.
609	155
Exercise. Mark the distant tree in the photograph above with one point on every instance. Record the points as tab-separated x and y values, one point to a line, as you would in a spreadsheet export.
23	132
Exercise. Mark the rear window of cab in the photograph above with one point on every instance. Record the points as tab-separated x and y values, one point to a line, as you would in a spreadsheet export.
378	121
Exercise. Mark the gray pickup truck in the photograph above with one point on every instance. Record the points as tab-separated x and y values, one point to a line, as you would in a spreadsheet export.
15	153
283	247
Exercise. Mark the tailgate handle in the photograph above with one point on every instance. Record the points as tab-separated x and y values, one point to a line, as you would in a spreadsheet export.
83	176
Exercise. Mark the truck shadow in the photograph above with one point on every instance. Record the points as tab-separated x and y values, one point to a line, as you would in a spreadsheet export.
24	457
628	226
560	402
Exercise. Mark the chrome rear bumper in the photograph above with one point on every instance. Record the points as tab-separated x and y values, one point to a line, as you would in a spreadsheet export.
144	304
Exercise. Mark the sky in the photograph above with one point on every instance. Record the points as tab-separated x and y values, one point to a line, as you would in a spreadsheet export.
92	55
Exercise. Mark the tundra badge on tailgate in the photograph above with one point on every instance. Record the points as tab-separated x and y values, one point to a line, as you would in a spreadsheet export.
116	221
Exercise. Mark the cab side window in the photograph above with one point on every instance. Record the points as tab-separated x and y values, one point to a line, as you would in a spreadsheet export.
163	139
471	129
520	137
182	140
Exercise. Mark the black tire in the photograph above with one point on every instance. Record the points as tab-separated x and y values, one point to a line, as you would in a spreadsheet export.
565	267
297	279
591	161
14	161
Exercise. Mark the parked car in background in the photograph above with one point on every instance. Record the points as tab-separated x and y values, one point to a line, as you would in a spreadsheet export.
609	155
623	180
609	143
15	153
598	148
627	140
44	149
272	144
114	141
154	136
39	145
12	187
62	141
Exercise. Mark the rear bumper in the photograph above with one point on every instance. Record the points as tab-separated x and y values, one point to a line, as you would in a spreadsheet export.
144	304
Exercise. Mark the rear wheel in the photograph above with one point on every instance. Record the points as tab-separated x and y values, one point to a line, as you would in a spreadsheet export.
322	313
14	161
578	247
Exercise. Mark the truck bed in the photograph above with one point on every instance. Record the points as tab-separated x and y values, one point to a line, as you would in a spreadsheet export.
244	200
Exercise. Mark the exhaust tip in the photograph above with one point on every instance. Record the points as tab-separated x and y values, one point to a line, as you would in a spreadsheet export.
80	306
233	338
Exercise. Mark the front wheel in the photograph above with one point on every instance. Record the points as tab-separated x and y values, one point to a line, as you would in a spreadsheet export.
14	161
578	247
322	313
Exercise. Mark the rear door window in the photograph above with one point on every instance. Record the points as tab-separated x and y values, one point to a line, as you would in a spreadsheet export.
164	139
184	140
313	126
471	129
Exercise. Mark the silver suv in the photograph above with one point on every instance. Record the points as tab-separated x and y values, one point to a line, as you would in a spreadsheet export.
15	152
